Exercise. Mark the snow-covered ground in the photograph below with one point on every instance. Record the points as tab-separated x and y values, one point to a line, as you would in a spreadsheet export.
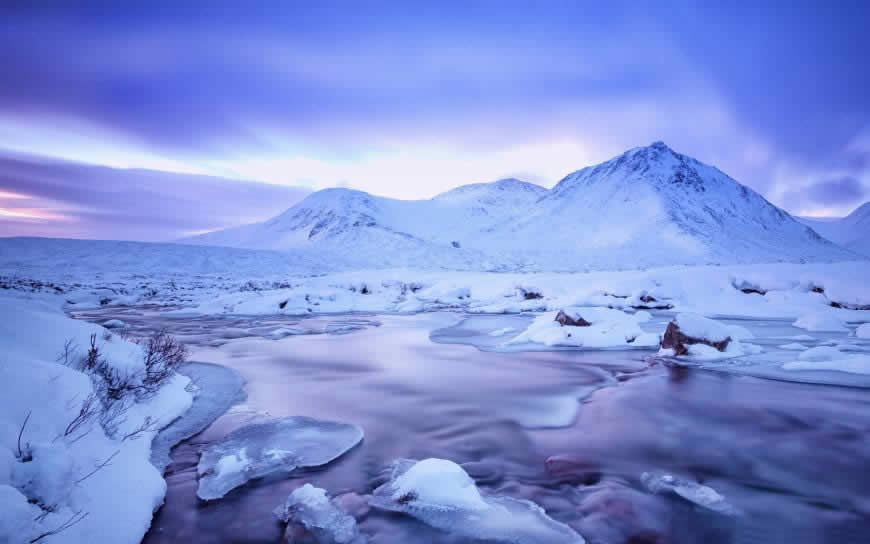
66	476
650	206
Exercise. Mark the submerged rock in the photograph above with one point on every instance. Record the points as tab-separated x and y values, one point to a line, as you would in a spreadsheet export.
259	449
441	494
311	515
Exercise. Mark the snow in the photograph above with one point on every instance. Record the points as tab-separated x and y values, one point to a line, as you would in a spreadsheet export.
820	322
106	481
850	231
794	346
830	358
503	331
698	326
440	493
863	331
649	206
311	507
259	449
659	482
114	324
433	483
609	329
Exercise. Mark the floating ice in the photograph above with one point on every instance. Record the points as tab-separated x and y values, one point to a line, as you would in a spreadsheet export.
329	524
659	482
820	322
503	331
114	324
608	328
863	331
441	494
830	358
794	346
259	449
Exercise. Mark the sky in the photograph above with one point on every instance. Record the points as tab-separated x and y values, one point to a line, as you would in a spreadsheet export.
409	99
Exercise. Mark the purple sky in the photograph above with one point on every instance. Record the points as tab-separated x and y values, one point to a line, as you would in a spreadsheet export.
409	99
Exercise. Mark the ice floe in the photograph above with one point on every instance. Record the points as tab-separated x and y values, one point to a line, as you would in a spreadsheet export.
830	358
259	449
820	322
440	493
702	495
309	509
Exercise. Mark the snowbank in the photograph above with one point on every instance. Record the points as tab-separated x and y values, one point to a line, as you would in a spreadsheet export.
76	478
830	358
607	328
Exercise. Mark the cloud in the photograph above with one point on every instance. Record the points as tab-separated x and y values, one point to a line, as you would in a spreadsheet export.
64	199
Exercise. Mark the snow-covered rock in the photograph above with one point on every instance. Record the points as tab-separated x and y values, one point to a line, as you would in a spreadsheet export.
259	449
325	520
441	494
704	339
702	495
607	328
820	321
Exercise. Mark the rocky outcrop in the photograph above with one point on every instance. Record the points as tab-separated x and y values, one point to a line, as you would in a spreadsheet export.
678	341
574	320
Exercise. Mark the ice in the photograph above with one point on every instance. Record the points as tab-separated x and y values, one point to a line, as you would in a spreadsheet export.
504	330
863	331
659	482
820	322
329	524
794	346
609	328
260	449
830	358
440	493
114	324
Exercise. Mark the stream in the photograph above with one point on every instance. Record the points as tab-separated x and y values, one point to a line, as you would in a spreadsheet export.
791	457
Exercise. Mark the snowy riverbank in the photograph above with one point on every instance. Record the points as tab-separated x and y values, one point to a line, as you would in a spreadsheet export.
71	469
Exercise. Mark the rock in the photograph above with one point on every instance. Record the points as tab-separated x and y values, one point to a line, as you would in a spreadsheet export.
676	340
569	467
571	321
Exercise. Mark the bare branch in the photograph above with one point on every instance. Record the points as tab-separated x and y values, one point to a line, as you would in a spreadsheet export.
74	519
20	433
98	468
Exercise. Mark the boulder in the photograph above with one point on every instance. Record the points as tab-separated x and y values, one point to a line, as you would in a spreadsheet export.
571	321
675	339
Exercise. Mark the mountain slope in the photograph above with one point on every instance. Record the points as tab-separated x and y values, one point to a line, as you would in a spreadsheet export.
649	206
852	231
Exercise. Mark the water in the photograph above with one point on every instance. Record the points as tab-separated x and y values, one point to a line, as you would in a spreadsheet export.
791	457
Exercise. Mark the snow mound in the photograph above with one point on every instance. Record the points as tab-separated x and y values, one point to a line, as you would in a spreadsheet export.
830	358
259	449
329	524
820	322
441	494
702	495
608	328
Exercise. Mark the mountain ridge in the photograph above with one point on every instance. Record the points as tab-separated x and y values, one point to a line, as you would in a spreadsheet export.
649	206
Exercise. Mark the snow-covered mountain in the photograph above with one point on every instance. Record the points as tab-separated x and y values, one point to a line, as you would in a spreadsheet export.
852	231
649	206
